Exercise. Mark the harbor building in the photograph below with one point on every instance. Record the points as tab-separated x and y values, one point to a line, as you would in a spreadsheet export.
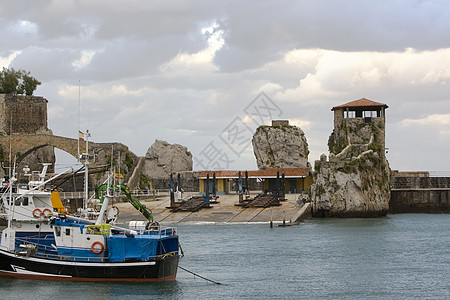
296	180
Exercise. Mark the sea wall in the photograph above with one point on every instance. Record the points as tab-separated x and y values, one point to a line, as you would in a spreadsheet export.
189	181
420	182
420	195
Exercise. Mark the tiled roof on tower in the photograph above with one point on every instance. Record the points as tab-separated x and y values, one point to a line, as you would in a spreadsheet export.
363	102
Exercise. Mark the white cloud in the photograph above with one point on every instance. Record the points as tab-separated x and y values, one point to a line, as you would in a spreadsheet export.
269	88
170	71
303	124
332	73
439	122
24	27
434	120
201	60
306	57
85	59
445	132
100	92
250	121
6	60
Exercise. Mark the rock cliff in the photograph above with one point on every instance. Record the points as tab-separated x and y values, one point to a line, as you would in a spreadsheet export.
355	182
280	146
35	159
163	158
122	160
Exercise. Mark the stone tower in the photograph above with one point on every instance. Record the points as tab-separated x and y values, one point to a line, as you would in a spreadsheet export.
25	115
357	124
355	182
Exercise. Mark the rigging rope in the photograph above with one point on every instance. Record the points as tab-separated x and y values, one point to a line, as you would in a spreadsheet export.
216	282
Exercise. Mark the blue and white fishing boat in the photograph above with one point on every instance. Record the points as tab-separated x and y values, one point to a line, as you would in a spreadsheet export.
44	242
32	205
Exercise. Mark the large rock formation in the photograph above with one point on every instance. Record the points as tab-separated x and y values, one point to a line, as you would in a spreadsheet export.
356	180
163	159
280	146
35	161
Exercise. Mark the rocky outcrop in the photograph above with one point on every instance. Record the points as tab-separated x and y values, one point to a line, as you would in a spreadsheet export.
163	159
115	155
356	189
355	182
35	159
280	146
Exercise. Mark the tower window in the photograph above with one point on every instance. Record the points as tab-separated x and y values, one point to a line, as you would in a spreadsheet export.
349	114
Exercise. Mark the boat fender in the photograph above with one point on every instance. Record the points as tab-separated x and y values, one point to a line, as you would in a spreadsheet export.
46	212
37	212
97	251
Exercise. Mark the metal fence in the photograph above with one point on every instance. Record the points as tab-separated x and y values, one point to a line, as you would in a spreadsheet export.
439	173
135	193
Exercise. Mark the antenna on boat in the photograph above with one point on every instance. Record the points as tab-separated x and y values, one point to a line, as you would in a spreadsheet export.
80	133
10	146
83	157
12	179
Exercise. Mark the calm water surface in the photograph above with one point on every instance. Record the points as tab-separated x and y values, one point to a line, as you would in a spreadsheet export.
398	257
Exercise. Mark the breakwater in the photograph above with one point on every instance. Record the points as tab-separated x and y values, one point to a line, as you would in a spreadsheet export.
420	195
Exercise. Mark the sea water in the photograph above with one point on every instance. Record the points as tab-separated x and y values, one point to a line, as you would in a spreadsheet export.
405	256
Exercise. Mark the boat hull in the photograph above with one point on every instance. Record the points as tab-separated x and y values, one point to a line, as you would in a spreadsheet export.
14	266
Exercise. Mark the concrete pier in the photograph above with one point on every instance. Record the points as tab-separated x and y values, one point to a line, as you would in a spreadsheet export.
225	211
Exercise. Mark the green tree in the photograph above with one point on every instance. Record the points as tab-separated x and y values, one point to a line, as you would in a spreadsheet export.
17	82
9	81
29	83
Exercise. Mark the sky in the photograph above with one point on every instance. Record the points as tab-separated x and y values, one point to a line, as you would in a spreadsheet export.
206	74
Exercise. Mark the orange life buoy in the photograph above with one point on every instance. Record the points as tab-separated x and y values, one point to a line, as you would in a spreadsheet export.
37	212
45	214
95	250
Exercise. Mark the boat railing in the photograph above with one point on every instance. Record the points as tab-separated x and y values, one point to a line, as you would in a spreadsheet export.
45	251
34	240
82	258
134	193
162	231
42	250
70	257
168	254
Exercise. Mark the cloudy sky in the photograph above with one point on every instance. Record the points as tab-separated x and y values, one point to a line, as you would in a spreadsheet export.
205	74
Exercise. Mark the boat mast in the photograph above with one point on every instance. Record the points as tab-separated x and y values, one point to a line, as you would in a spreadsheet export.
84	157
12	179
11	172
86	171
86	175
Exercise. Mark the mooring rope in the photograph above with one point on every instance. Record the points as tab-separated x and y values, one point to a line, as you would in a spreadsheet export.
199	275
